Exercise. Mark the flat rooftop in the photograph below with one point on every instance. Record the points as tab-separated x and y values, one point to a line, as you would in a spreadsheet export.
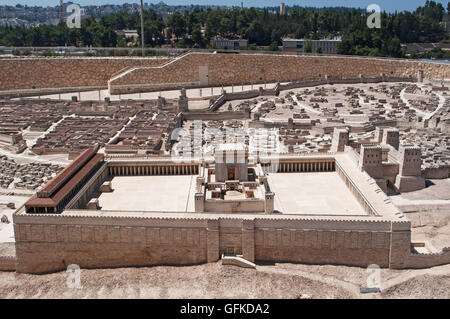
150	193
323	193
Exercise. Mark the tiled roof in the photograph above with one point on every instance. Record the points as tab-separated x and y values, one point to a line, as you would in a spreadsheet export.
55	183
69	185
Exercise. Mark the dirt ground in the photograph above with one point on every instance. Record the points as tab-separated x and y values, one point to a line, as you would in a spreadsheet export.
438	189
218	281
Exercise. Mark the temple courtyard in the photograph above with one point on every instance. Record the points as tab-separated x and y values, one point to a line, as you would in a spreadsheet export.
150	193
313	194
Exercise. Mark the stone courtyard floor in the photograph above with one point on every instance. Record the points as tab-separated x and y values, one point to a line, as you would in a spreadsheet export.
150	193
313	194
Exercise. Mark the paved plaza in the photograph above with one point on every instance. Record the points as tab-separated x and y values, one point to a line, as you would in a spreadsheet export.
313	194
150	193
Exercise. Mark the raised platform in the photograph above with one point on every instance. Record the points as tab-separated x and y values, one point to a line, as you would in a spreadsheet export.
150	193
321	193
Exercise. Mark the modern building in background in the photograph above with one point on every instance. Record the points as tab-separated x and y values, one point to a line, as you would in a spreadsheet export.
297	46
446	22
128	33
282	8
236	44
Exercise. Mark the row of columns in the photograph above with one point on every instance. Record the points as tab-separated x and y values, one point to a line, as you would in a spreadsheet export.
306	167
153	170
41	210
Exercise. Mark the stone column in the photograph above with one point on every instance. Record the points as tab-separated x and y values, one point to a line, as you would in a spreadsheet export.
248	239
400	245
212	240
420	76
269	203
199	202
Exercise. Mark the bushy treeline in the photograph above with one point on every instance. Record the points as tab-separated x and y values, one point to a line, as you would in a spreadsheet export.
260	27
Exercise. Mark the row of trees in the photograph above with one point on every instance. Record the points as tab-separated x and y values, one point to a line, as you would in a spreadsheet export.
423	25
260	27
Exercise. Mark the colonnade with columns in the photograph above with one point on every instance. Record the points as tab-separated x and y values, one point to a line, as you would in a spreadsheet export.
134	170
293	167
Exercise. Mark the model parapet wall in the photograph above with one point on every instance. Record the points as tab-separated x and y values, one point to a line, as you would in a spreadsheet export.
52	242
26	73
205	69
7	263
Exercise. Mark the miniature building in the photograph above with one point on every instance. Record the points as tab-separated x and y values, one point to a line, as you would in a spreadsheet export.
231	162
371	160
378	134
92	204
391	136
106	187
410	175
183	101
377	233
340	140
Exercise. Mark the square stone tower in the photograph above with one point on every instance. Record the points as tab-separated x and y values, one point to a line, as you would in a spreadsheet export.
410	177
370	160
231	162
379	134
410	160
340	139
183	101
391	136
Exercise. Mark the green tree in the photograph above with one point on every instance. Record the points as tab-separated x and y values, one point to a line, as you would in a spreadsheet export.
177	24
307	48
197	36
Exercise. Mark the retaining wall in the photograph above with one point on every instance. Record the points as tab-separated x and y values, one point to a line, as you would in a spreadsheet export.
106	239
437	172
60	72
198	69
227	69
7	263
428	260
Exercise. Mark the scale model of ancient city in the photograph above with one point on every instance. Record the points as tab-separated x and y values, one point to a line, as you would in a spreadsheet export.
234	159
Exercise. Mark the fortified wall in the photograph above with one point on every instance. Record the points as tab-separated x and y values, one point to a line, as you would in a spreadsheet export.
92	238
26	73
198	69
52	242
207	69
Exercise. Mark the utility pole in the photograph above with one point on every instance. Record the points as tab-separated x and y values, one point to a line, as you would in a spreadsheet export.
61	11
142	27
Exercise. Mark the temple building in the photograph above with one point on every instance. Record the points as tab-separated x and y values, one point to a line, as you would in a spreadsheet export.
128	211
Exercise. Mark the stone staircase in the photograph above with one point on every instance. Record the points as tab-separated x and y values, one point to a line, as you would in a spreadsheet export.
237	260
